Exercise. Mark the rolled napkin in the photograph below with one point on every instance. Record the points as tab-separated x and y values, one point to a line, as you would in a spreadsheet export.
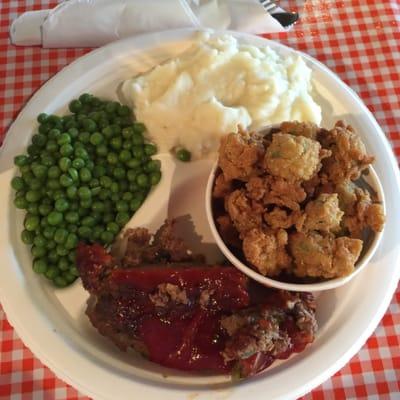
93	23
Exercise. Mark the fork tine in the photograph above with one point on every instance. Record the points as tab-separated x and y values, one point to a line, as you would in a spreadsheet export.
268	5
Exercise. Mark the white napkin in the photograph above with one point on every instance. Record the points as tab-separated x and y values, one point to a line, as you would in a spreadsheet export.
93	23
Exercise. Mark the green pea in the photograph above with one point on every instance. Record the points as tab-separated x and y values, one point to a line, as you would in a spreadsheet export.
40	171
84	232
114	197
54	184
27	236
85	175
139	127
127	145
44	209
66	180
63	264
70	278
150	149
40	265
33	196
54	172
135	203
51	244
73	173
64	138
53	257
75	106
142	180
78	163
89	125
88	221
60	235
39	241
138	152
39	140
106	181
42	117
107	237
66	150
48	232
55	218
183	155
74	271
84	137
96	138
35	184
64	163
108	217
72	256
54	120
73	133
116	143
84	193
86	203
122	218
47	160
111	107
38	251
61	250
60	281
133	163
127	132
51	273
101	150
86	98
21	160
44	128
155	177
72	192
51	146
54	134
108	132
125	156
80	152
31	222
72	228
119	173
127	196
104	194
71	241
121	206
72	217
113	227
124	111
20	202
61	204
114	188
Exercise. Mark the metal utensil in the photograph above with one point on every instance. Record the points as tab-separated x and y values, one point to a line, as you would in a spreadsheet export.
284	18
268	5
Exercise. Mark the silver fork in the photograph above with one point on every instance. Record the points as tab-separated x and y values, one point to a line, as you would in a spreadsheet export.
286	19
268	5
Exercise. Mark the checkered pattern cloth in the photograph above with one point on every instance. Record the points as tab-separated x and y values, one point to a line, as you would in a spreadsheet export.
360	41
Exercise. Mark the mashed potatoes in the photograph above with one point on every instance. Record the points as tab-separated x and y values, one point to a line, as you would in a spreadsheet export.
216	86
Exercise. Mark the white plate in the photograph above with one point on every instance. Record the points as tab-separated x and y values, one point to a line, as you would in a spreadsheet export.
52	322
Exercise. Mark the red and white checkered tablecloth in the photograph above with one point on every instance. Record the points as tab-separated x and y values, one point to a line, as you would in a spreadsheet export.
360	41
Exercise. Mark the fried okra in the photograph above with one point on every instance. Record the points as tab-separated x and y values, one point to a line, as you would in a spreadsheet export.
323	214
292	157
265	250
325	256
239	156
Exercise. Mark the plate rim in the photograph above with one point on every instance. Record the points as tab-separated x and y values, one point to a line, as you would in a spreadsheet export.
13	319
